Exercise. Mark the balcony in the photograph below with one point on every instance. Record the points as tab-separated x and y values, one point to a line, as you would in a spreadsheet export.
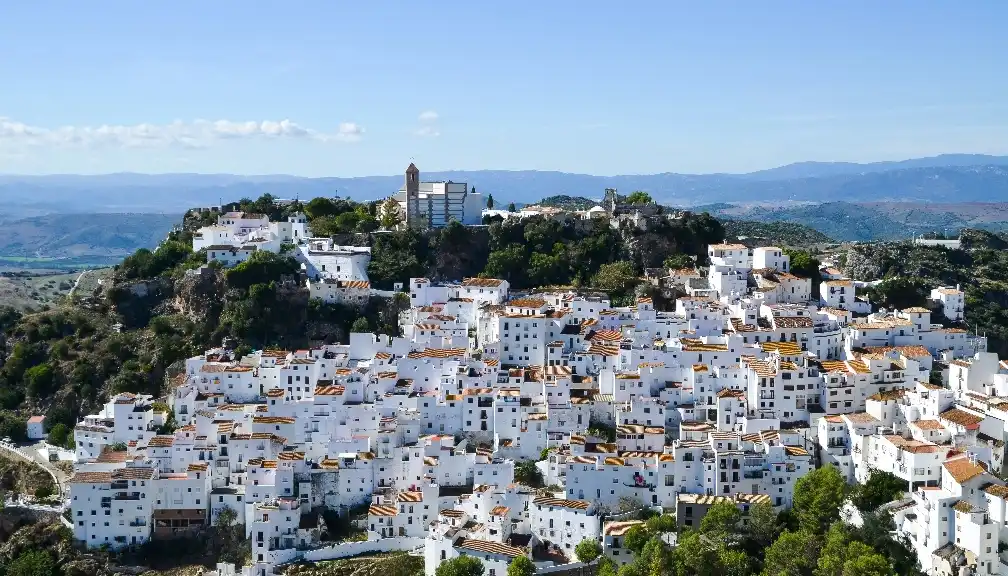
753	474
127	496
138	523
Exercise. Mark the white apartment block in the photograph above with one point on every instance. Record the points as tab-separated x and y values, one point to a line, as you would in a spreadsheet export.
435	204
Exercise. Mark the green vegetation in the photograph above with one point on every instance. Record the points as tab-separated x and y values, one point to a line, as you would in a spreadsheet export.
571	203
588	550
881	487
390	564
778	233
527	473
909	272
639	197
769	544
865	222
521	566
460	566
60	435
21	477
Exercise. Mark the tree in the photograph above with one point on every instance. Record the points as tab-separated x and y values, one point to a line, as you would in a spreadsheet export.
58	435
521	566
635	538
721	521
526	472
32	563
606	567
511	207
762	528
587	550
390	216
39	380
696	555
629	503
818	497
460	566
360	325
639	197
792	554
679	261
870	564
661	523
616	277
834	551
490	201
881	487
507	264
44	491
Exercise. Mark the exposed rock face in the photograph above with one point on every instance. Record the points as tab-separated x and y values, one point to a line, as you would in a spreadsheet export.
200	294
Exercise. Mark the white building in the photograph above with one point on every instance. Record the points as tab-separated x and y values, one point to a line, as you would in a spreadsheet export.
435	204
952	301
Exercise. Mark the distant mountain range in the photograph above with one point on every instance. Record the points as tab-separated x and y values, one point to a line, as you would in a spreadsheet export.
948	178
846	221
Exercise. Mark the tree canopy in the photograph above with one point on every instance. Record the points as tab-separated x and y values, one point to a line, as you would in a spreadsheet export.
460	566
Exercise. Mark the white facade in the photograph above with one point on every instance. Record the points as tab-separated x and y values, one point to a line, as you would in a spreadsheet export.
734	395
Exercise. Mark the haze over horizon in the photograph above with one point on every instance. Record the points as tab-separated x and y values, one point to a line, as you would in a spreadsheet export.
320	89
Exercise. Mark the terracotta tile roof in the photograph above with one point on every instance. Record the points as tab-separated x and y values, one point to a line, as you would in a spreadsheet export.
488	547
561	503
291	456
962	417
526	303
500	511
698	345
604	335
133	474
997	490
161	442
862	418
272	420
962	470
603	349
336	390
792	321
928	424
91	478
482	282
410	497
376	510
197	467
889	395
962	506
908	351
620	528
782	348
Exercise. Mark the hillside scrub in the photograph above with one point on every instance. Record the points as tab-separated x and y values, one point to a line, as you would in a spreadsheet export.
909	272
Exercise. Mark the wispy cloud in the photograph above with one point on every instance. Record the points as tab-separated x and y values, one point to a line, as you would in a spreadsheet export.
194	134
428	128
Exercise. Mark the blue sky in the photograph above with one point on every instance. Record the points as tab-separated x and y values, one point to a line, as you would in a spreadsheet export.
579	86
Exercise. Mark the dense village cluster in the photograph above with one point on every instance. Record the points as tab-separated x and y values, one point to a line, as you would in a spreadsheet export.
502	424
